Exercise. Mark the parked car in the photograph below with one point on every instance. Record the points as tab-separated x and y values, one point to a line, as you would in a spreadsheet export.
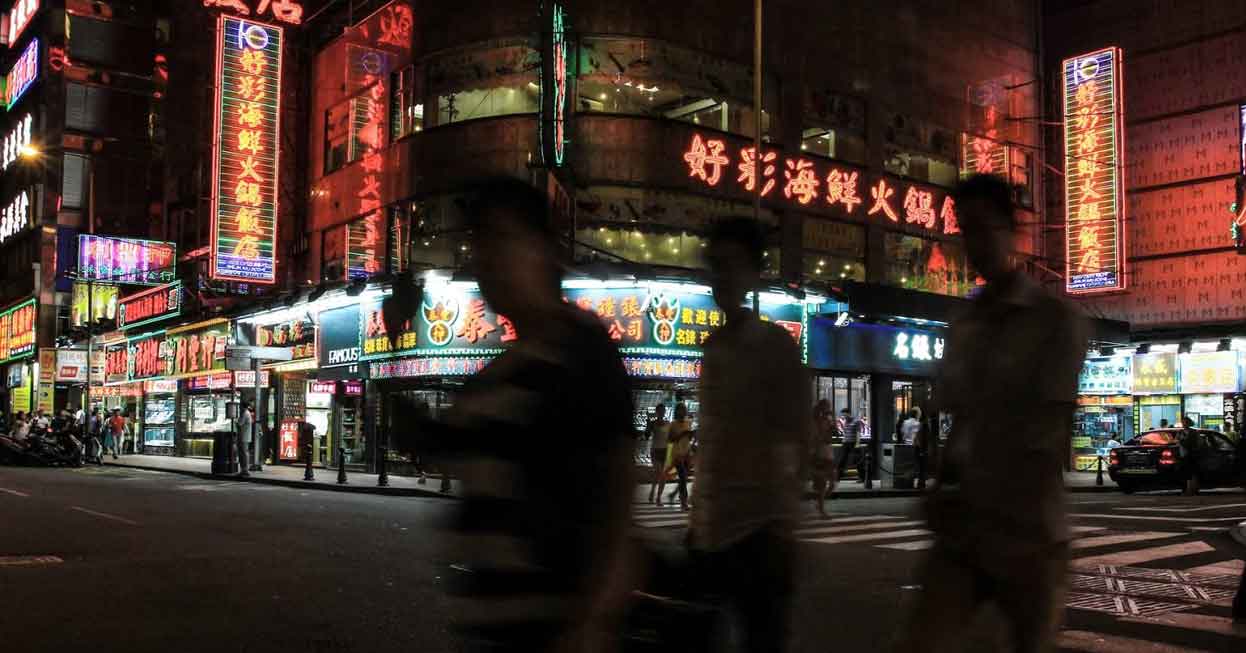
1165	458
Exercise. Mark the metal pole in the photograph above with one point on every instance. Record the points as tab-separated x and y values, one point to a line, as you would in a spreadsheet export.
758	165
255	423
86	395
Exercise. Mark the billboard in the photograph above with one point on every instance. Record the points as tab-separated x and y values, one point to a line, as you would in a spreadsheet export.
126	260
22	74
17	331
150	305
245	154
1093	166
101	301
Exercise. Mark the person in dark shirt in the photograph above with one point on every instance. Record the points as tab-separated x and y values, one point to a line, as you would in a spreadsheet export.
541	440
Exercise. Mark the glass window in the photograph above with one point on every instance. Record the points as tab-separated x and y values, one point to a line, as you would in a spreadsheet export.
840	401
834	126
654	247
481	83
406	113
830	268
922	167
937	266
437	236
861	397
336	137
653	78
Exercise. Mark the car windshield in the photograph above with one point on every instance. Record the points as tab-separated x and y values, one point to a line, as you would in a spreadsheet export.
1154	439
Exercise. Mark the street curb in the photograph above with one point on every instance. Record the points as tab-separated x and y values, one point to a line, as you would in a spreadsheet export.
302	485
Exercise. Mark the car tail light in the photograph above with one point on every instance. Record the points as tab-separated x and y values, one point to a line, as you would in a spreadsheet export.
1167	457
1113	458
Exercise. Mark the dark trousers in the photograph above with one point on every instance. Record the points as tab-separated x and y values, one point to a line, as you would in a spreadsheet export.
681	472
755	576
845	453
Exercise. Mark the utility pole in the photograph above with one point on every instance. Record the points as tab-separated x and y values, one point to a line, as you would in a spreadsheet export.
86	395
757	153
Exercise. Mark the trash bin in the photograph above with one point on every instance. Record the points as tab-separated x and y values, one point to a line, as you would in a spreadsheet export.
900	464
222	448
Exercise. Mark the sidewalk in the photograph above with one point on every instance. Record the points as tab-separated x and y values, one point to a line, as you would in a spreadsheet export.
326	479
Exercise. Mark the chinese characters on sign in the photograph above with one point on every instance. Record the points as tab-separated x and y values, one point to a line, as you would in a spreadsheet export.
116	363
195	351
22	75
17	331
666	368
126	260
286	11
17	140
298	334
365	237
917	347
553	122
1094	239
430	366
1106	376
1155	373
1210	372
15	218
150	305
288	447
18	18
244	197
376	341
809	182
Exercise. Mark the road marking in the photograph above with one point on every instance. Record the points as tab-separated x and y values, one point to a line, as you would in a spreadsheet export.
1188	508
1223	568
1125	558
1105	540
804	533
1194	621
1091	642
868	537
1087	529
13	492
104	515
1152	518
919	545
28	561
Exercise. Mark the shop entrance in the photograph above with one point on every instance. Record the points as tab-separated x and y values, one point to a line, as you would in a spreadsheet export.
1158	411
905	396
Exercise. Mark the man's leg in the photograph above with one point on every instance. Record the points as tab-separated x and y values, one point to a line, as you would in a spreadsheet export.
240	448
1033	601
947	604
759	569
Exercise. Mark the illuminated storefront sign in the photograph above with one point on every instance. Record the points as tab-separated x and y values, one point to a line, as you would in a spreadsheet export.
1155	373
18	139
160	386
865	347
18	331
18	18
117	363
71	366
15	218
126	260
365	237
150	306
1110	375
983	151
246	379
553	121
376	341
832	187
148	357
662	368
286	11
288	440
428	366
101	302
247	121
299	334
22	75
916	346
1211	372
197	350
1093	133
340	342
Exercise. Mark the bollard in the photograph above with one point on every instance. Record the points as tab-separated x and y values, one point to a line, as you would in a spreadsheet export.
308	474
341	465
382	476
868	469
1099	474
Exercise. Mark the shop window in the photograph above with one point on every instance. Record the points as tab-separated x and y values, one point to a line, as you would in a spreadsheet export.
834	126
666	248
920	167
435	234
353	128
482	83
336	137
833	143
406	111
936	266
828	268
653	78
834	251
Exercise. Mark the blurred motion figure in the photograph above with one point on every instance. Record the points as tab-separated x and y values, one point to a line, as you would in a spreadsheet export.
1009	379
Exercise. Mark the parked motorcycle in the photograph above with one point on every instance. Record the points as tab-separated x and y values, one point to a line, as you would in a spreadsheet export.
61	449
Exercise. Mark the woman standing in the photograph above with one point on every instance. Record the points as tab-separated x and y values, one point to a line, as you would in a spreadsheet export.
658	433
820	453
680	452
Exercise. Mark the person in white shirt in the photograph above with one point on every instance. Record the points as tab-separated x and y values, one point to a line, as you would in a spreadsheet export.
911	426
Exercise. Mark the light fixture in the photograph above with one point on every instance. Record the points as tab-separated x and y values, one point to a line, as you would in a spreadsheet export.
602	96
904	279
843	319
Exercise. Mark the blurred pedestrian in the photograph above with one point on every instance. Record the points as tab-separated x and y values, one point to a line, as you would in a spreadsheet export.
114	433
658	433
1001	531
852	435
1191	442
821	458
679	453
754	423
242	438
911	426
546	488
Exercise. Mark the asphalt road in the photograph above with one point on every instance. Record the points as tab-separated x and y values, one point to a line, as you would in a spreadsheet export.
112	559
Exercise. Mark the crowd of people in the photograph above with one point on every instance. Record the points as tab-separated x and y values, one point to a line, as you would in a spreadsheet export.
114	431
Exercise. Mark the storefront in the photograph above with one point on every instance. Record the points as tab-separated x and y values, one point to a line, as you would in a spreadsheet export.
18	325
1209	382
1104	407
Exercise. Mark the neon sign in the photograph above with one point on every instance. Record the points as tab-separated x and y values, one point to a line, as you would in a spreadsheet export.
15	218
430	366
1093	136
18	18
365	237
985	155
22	75
286	11
841	189
17	331
126	260
244	193
17	140
917	347
150	306
553	123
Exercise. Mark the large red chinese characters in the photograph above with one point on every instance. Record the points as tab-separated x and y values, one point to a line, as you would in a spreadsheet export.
286	11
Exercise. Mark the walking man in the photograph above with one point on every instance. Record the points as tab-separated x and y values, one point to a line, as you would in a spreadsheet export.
852	434
1010	381
242	438
755	419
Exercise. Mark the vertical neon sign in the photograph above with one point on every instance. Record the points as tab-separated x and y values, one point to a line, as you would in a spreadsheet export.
553	122
245	154
1093	134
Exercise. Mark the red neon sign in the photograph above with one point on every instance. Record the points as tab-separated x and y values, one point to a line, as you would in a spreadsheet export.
286	11
18	18
150	305
245	157
17	331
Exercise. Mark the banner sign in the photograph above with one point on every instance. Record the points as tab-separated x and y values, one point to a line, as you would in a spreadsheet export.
340	336
288	440
1155	373
117	363
149	306
195	351
22	75
247	122
126	260
1109	375
1094	198
552	125
299	334
16	217
18	18
376	342
1211	372
17	331
71	365
101	302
